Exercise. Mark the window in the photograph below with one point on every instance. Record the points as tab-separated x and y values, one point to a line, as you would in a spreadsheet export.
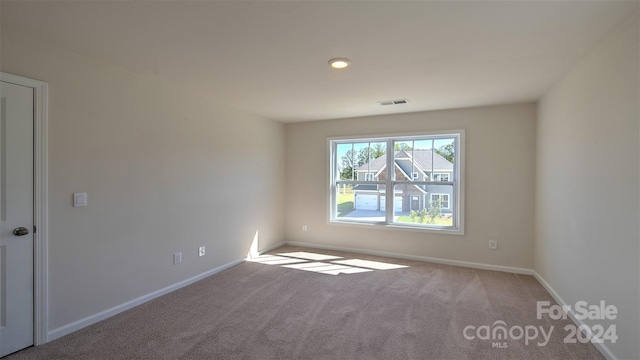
441	177
371	185
440	199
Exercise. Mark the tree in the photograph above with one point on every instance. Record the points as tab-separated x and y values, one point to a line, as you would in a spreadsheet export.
364	156
378	150
422	214
435	209
371	153
348	166
447	152
402	146
353	159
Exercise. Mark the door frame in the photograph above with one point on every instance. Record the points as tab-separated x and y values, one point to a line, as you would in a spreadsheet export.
40	213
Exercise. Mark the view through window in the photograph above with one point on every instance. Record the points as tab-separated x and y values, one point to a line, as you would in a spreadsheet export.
410	181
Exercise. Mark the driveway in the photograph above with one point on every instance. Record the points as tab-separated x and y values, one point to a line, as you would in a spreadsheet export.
368	215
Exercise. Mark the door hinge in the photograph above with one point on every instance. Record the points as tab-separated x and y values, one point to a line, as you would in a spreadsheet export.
34	229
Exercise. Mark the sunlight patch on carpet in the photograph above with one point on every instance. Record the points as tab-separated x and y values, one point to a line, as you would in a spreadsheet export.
310	256
324	268
274	260
321	263
369	264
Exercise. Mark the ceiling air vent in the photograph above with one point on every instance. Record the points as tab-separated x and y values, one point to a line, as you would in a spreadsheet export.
393	102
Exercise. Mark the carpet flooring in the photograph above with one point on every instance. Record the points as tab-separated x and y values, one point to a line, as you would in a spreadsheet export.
317	304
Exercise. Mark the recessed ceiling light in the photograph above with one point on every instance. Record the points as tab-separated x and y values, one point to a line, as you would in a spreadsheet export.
339	63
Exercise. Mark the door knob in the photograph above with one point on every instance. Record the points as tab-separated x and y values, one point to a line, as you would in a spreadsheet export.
20	231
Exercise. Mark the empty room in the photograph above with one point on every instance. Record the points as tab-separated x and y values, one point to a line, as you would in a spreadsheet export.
424	179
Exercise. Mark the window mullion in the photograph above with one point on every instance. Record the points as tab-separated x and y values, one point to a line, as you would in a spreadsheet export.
368	162
433	150
391	170
353	162
333	184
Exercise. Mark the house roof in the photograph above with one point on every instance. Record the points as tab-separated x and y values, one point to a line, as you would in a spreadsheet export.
423	159
365	187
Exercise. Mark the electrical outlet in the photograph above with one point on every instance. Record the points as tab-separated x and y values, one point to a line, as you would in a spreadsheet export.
177	258
493	244
80	199
201	251
304	227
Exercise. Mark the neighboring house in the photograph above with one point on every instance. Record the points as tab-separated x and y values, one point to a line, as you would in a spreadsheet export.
417	165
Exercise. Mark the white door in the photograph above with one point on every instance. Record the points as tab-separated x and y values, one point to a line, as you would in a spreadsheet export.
397	206
366	202
16	217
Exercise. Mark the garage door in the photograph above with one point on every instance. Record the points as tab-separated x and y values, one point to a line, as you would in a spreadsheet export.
366	202
397	206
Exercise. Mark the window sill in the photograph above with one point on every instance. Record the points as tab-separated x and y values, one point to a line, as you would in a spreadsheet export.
397	227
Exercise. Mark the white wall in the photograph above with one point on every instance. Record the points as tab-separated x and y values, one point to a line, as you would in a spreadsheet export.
500	161
165	170
587	185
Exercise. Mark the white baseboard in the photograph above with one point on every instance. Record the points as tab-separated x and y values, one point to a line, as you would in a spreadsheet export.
468	264
272	247
604	349
89	320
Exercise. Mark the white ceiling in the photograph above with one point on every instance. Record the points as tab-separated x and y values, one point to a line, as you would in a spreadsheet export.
270	58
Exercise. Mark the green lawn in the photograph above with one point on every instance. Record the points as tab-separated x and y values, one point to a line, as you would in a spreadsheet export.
438	221
345	204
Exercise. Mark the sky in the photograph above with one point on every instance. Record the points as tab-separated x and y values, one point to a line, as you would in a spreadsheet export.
415	144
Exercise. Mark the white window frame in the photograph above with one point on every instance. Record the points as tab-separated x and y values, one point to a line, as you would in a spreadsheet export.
415	175
441	195
438	176
370	176
456	199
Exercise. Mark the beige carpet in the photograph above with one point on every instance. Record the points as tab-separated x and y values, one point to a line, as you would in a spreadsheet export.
376	310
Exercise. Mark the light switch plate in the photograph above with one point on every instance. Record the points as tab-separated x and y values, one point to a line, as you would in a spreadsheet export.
80	199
